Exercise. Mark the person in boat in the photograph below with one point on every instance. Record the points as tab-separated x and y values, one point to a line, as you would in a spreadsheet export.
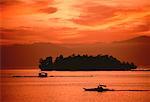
100	87
42	74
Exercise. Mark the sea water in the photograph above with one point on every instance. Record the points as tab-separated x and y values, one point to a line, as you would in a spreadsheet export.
67	86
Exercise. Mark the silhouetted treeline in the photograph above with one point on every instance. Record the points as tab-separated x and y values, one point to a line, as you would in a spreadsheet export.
84	63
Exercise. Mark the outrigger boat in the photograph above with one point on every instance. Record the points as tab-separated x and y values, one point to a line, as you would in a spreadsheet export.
100	88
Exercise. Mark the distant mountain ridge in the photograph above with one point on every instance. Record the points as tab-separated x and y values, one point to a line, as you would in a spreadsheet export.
135	50
139	39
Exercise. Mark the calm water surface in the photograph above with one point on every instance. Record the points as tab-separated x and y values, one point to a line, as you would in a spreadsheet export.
68	86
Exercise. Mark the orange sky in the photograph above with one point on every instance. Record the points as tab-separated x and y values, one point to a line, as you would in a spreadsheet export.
73	21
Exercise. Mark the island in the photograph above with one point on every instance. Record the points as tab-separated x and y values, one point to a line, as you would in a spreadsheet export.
84	63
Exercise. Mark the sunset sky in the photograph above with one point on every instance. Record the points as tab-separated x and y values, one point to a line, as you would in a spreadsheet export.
73	21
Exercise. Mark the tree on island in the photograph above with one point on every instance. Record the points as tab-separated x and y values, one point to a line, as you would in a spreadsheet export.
84	63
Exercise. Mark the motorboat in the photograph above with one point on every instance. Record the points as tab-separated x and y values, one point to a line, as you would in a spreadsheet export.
100	88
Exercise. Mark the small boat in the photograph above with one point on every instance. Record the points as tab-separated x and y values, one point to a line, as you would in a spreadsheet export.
98	89
42	74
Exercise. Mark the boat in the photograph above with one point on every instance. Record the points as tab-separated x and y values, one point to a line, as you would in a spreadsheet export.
42	74
100	88
97	89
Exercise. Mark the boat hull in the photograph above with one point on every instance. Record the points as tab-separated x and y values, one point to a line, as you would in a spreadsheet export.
97	89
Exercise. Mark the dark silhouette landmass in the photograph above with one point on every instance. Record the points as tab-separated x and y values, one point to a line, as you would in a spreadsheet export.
84	63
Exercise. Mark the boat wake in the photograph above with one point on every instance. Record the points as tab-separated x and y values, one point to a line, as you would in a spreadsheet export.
130	90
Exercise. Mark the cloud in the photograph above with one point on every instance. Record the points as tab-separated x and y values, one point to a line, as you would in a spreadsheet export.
31	35
48	10
96	14
15	34
73	20
19	7
10	2
136	26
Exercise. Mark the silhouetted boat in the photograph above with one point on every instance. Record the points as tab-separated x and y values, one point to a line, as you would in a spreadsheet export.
42	74
98	89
